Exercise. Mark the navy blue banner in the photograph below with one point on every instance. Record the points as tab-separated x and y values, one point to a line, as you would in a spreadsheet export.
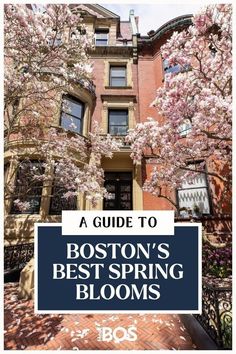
122	273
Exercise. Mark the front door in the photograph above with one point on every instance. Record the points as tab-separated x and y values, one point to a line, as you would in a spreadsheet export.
119	186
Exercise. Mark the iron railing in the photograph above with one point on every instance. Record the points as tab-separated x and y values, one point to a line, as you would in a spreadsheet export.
121	140
88	85
216	317
17	256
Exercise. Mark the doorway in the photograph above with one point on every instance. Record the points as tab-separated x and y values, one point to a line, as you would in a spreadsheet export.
119	186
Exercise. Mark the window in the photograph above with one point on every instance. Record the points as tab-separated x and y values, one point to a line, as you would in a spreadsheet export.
55	40
59	202
174	68
28	188
118	121
193	196
82	30
72	114
101	37
170	68
6	171
212	50
185	128
118	76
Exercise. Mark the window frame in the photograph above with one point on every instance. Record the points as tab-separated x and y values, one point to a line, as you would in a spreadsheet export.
167	69
183	133
36	211
52	211
77	101
101	31
118	77
173	69
118	125
206	187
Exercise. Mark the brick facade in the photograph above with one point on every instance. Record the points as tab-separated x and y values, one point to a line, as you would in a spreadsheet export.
147	77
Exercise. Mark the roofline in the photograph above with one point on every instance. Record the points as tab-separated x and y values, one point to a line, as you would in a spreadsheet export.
173	23
104	9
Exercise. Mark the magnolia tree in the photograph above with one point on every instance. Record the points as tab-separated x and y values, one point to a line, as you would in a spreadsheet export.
196	103
46	55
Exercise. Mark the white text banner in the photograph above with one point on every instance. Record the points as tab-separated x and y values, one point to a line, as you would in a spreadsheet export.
75	222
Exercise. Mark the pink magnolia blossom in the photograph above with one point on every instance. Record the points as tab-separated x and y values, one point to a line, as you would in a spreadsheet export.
45	53
46	56
199	95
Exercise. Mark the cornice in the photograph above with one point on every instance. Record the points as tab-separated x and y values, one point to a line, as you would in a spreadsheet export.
171	25
106	50
120	98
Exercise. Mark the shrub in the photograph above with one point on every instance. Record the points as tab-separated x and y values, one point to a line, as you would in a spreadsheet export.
216	261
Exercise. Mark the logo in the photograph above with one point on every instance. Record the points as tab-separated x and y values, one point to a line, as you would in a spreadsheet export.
118	334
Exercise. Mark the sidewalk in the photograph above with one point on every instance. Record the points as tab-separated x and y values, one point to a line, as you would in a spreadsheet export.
24	330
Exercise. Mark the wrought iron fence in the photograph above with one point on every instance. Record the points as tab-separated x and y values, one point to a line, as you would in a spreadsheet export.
216	317
17	256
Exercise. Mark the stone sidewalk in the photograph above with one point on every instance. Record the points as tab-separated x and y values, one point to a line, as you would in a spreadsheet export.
26	331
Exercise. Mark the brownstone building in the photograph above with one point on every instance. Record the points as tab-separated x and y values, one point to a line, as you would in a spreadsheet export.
128	69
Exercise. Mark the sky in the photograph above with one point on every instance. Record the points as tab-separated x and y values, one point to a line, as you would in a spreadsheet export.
152	16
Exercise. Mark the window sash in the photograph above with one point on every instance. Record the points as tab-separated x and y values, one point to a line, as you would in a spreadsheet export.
118	130
118	71
197	182
191	197
118	76
185	128
101	42
71	123
75	107
118	122
118	118
72	119
118	81
101	37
